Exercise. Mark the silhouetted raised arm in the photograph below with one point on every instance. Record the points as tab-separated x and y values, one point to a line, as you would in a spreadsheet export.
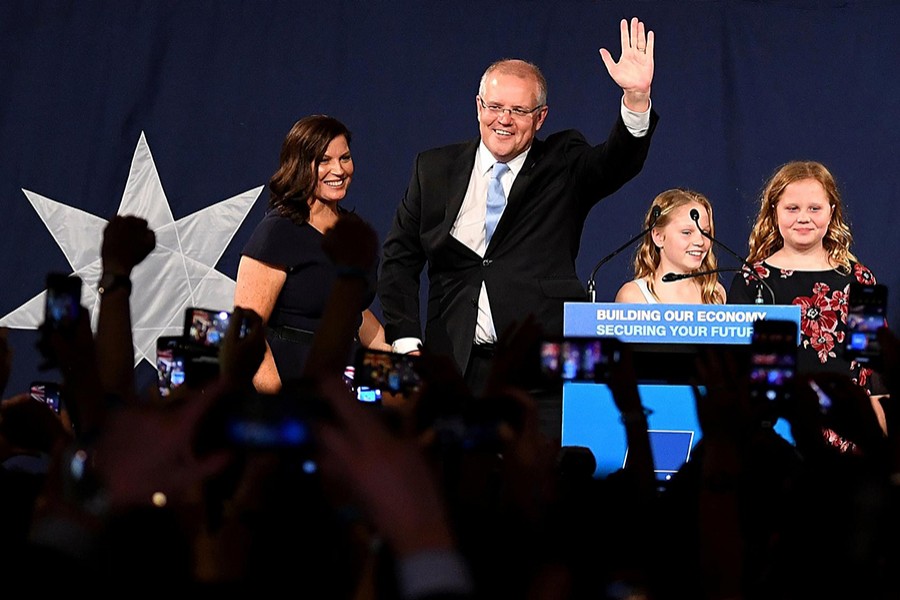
126	242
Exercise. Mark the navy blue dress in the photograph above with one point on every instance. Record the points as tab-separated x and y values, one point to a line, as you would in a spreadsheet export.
296	249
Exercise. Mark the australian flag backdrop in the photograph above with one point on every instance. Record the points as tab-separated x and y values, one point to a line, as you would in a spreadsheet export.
175	111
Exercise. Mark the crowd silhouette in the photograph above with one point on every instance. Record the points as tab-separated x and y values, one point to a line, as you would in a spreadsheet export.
435	493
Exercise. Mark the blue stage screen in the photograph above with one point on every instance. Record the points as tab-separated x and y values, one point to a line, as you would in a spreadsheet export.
591	419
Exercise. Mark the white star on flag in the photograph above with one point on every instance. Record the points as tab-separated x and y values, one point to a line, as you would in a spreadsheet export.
179	273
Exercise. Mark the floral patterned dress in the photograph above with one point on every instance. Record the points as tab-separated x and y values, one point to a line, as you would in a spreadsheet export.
822	297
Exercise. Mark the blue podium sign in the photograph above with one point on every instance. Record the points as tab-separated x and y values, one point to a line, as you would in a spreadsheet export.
665	338
672	323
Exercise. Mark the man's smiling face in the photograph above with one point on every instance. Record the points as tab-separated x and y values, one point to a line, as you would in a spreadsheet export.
505	134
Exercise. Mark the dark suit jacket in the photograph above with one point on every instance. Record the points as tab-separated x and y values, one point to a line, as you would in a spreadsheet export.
529	266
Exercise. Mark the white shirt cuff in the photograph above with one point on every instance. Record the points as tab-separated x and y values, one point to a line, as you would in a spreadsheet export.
637	123
406	345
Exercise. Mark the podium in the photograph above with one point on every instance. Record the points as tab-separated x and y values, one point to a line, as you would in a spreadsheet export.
664	339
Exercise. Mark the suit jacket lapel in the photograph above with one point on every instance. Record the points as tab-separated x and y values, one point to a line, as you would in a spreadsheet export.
524	176
518	193
458	175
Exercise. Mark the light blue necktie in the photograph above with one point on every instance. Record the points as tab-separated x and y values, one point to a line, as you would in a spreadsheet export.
496	201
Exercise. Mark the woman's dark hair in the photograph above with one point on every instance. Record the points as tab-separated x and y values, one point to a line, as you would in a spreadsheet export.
294	182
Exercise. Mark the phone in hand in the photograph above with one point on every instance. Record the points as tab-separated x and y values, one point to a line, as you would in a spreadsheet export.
773	359
386	371
261	422
587	359
866	313
47	392
367	394
205	328
63	301
170	359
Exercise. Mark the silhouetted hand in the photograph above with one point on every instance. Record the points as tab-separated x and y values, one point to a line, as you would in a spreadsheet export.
443	392
28	427
147	449
830	412
623	383
242	348
75	354
528	456
389	475
515	360
127	240
850	414
724	409
351	243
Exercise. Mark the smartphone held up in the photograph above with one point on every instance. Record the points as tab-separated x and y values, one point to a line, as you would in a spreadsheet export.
866	313
385	372
773	359
63	301
204	327
62	305
192	358
578	358
170	368
47	392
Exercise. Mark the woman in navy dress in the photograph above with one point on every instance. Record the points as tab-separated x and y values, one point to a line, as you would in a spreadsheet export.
284	274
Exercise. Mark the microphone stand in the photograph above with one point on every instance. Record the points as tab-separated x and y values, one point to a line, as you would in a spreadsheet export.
695	217
591	284
668	277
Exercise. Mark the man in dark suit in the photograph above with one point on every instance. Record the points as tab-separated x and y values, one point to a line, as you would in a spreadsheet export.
481	281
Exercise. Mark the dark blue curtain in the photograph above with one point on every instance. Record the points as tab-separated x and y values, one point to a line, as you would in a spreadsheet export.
741	88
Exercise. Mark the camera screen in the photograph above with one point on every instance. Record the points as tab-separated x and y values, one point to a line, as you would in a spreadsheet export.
773	359
386	371
46	393
257	432
867	307
367	394
772	369
268	422
206	327
169	369
573	359
771	373
862	332
63	300
866	314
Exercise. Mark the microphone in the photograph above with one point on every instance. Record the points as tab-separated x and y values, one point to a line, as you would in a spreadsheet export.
668	277
591	285
695	217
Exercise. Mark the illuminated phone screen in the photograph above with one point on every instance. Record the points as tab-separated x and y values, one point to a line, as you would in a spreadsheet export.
47	393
